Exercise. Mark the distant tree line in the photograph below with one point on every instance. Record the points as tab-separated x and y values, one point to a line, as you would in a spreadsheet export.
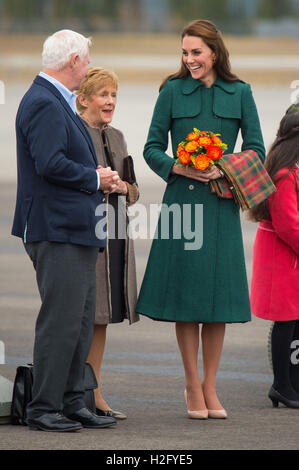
122	14
59	8
276	9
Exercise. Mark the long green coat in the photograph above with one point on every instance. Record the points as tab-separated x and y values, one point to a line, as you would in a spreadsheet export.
207	284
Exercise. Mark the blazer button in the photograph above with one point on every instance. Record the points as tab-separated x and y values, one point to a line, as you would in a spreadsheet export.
191	187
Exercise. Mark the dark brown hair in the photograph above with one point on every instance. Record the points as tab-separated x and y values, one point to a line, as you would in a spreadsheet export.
207	31
284	153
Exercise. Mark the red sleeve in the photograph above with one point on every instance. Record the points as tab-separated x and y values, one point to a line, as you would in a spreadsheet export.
285	212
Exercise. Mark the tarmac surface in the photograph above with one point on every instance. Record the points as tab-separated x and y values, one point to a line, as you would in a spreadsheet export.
142	372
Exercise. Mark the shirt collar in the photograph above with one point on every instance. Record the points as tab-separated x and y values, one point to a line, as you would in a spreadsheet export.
68	95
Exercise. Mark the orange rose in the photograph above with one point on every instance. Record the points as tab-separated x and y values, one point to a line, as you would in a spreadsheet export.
180	148
192	136
216	140
191	146
204	141
202	162
214	152
184	157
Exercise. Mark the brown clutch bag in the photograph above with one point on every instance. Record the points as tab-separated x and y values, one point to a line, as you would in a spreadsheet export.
129	174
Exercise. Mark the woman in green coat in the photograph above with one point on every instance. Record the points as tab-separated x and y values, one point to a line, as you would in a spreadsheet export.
202	281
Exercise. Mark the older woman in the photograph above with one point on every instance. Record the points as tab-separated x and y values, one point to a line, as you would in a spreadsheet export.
116	274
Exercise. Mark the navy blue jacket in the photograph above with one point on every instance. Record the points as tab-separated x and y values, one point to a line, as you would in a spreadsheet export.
57	192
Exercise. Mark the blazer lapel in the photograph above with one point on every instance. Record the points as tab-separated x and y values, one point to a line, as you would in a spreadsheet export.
77	120
87	136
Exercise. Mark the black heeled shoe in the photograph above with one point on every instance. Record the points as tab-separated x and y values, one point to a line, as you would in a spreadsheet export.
112	413
277	398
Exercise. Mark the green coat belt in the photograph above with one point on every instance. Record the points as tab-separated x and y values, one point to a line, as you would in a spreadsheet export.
208	283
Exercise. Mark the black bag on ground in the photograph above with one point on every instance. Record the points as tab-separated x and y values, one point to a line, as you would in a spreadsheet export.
22	391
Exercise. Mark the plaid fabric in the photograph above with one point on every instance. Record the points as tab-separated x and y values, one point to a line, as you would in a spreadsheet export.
246	180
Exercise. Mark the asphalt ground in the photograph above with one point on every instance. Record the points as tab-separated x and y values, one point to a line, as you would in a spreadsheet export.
142	372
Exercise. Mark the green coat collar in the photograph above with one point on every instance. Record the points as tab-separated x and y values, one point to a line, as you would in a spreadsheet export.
189	85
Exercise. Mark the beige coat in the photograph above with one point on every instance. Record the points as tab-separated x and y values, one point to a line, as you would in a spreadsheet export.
118	150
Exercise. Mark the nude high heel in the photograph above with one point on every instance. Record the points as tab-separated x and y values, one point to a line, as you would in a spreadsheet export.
201	414
217	414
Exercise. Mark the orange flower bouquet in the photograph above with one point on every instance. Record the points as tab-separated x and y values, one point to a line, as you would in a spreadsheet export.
200	150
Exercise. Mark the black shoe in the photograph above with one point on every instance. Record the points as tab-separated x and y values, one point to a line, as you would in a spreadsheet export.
113	413
276	397
88	419
53	422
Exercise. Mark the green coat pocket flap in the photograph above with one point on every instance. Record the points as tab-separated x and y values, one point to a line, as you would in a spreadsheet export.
184	106
227	105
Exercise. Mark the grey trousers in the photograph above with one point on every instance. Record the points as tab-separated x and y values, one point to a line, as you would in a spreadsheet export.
66	281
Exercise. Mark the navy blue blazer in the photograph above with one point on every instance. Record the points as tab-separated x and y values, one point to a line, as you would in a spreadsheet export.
57	194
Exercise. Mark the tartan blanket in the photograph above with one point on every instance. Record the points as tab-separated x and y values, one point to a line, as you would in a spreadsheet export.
246	179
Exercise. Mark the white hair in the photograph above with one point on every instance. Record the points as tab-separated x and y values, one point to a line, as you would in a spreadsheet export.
58	48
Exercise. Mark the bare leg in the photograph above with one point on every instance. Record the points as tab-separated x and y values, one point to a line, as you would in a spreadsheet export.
95	358
188	341
212	343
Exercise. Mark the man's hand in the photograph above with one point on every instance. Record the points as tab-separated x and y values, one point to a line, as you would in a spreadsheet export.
109	179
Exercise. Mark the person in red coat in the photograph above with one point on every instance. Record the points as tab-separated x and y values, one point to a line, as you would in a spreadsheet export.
275	274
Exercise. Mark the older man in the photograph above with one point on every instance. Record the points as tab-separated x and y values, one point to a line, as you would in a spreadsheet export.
59	188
